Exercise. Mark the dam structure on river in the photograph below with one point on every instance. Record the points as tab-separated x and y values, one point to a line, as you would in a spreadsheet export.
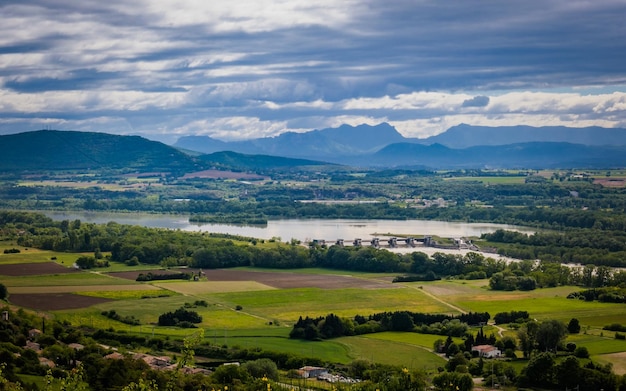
394	242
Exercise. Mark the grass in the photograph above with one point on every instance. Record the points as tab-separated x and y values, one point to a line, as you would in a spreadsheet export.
320	271
547	303
31	255
491	179
133	294
395	349
288	305
215	316
331	351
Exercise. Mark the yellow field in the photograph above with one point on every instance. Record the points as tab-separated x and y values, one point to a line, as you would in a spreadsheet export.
617	360
192	288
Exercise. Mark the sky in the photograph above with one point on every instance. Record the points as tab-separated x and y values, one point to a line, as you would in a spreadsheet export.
241	69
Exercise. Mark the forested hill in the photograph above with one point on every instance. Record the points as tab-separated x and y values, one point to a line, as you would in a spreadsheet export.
71	150
252	162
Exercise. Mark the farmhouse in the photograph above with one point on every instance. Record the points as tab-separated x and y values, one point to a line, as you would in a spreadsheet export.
487	351
156	362
46	362
34	333
308	372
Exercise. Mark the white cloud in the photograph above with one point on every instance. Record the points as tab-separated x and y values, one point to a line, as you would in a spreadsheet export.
248	15
254	68
232	128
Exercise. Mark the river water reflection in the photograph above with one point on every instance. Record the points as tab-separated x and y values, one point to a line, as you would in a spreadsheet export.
300	229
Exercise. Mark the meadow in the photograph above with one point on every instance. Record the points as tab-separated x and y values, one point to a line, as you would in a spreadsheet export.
259	310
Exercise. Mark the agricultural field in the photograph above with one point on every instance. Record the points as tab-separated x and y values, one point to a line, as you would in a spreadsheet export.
252	308
491	180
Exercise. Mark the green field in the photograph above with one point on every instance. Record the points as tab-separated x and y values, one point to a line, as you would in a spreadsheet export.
250	314
287	305
30	255
547	303
491	179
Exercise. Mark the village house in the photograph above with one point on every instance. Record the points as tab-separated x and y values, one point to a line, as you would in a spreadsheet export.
309	372
487	351
34	333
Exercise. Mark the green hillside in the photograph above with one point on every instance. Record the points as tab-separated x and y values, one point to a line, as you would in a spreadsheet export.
71	150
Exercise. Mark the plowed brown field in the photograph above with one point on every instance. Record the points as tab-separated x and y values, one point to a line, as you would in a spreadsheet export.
54	301
34	269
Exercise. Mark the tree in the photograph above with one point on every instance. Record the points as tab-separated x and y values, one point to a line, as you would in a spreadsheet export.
540	370
573	327
331	327
527	335
263	367
455	361
550	334
401	321
581	352
4	292
453	381
568	373
86	262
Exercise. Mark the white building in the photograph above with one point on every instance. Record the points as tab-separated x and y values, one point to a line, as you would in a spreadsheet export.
487	351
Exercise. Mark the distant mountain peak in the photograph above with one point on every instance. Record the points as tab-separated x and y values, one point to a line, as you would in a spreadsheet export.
465	136
317	144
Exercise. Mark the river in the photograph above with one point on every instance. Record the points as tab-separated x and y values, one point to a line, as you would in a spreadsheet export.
303	230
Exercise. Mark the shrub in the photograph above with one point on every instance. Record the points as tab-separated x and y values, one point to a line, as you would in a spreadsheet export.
4	292
581	352
179	316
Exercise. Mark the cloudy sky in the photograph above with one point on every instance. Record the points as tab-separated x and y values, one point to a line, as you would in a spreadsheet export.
237	69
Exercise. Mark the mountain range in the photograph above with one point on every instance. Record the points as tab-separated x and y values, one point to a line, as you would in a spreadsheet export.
462	146
382	145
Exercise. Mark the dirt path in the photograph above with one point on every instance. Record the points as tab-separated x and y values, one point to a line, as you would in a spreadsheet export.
500	330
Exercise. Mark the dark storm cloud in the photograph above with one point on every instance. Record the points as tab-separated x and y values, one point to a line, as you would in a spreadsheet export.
477	101
297	61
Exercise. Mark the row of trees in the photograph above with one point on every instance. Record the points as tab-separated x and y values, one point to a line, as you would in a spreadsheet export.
580	246
332	326
529	275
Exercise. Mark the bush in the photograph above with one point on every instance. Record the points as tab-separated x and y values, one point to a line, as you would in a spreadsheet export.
4	292
130	319
581	352
615	327
181	317
573	326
